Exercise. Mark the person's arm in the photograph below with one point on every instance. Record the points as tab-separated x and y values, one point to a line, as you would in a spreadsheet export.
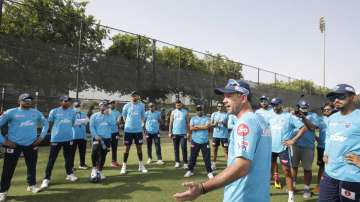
4	119
45	126
171	124
93	128
301	129
213	123
309	124
188	122
124	112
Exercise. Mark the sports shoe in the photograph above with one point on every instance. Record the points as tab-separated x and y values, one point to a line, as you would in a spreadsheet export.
93	173
307	194
177	165
33	189
210	175
317	189
123	170
277	184
160	162
186	166
45	184
142	168
102	176
148	161
84	167
213	166
291	199
188	174
71	178
115	164
3	196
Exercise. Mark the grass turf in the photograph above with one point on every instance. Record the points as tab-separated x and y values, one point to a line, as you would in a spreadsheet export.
158	185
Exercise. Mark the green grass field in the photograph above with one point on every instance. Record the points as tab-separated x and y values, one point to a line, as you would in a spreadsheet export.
158	185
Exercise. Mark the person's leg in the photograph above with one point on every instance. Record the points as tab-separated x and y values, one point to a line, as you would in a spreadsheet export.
158	146
225	145
138	137
194	152
274	168
206	153
295	162
69	161
95	154
349	191
215	144
183	143
128	142
54	151
10	161
30	156
82	152
307	159
114	145
149	140
103	153
329	189
285	164
320	163
176	142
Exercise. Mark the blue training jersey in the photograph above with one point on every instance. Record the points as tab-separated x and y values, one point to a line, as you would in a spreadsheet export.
101	125
152	121
200	136
220	130
342	138
308	139
179	126
322	131
265	113
23	124
63	121
232	119
133	114
80	128
116	115
250	139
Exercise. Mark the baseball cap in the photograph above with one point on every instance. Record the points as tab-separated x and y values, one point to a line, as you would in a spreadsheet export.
303	104
134	93
65	98
178	101
264	98
77	103
104	102
276	101
234	86
198	108
341	89
25	96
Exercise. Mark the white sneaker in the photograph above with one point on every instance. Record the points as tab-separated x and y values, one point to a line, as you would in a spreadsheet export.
177	165
210	176
291	199
148	161
186	166
102	176
160	162
45	184
142	168
83	167
33	189
93	173
71	178
123	170
3	196
213	166
188	174
307	194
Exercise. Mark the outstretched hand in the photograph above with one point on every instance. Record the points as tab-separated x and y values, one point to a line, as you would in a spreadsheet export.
193	191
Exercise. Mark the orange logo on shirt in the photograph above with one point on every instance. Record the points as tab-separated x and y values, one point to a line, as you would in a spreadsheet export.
243	130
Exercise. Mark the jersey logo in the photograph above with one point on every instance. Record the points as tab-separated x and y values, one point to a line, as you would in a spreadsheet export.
338	138
26	123
348	194
347	125
244	145
243	130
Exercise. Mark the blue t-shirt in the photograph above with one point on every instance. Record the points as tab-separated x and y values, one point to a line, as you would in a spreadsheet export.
23	124
200	136
63	121
250	139
343	137
265	113
80	130
308	139
116	115
152	120
322	131
232	120
282	127
101	125
220	130
133	114
179	121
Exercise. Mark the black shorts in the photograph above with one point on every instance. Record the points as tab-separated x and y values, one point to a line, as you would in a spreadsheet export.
224	142
130	137
283	156
320	155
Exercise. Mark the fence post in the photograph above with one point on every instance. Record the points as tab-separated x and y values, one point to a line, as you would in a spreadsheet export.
258	76
2	100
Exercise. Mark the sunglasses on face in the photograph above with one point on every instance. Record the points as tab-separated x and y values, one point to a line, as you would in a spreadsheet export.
27	100
338	96
327	110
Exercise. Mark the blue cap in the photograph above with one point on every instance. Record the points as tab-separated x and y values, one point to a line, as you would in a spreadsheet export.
234	86
65	98
303	104
25	96
264	98
341	89
77	103
134	93
276	101
198	108
104	102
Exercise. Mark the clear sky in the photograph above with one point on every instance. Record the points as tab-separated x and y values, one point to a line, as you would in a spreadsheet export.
278	35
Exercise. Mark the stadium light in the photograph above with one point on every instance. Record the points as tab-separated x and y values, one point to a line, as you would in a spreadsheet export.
322	29
78	4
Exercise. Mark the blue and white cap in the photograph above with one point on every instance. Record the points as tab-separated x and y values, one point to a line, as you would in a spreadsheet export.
25	96
263	97
276	101
234	86
303	104
341	89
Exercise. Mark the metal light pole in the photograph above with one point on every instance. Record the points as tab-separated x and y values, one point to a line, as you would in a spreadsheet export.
36	99
2	100
77	4
1	6
322	29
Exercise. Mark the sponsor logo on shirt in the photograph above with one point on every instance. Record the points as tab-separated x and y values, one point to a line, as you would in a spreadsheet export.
244	145
65	121
338	138
104	124
26	123
243	130
348	194
19	116
347	125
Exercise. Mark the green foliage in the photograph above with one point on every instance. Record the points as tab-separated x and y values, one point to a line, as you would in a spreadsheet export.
304	86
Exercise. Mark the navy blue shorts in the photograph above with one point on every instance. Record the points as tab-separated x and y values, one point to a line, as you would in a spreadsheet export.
338	191
283	156
320	155
136	137
224	142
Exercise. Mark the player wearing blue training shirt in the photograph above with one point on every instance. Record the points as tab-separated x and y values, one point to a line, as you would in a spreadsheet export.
22	137
115	133
303	150
133	114
62	120
327	110
80	134
341	179
179	129
247	176
219	121
265	109
101	125
152	133
199	127
282	126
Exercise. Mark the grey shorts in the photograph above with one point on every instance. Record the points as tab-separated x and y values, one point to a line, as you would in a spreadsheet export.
305	155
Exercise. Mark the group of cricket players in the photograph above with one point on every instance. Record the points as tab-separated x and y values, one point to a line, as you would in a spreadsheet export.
255	142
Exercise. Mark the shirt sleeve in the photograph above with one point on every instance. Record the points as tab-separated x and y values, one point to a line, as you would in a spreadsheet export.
124	111
3	120
296	123
92	126
51	116
45	125
212	117
315	120
246	138
327	122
